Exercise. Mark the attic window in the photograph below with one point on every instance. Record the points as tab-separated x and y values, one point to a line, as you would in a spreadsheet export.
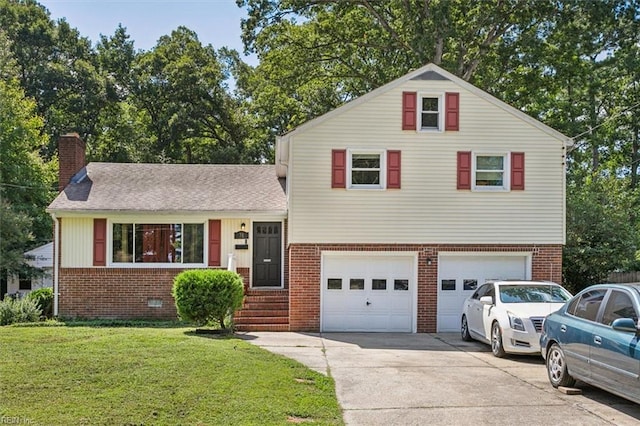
431	112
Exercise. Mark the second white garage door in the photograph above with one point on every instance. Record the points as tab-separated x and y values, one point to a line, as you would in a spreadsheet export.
460	274
368	292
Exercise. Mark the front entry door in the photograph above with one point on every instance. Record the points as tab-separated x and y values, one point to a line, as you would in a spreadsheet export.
267	250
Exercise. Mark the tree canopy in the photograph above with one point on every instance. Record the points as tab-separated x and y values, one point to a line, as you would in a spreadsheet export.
571	64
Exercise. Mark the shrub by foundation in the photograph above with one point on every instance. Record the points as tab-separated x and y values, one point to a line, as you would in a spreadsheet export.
208	296
44	300
18	310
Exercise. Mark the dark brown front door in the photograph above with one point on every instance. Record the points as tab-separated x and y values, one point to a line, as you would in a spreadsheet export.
267	249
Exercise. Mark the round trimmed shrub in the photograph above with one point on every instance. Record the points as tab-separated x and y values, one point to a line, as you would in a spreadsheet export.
208	296
44	299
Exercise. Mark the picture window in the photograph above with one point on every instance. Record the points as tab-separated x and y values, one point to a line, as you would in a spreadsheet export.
158	243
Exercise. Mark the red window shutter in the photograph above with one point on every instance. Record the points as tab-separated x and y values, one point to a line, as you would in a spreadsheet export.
452	111
215	246
99	242
339	168
409	102
464	169
517	171
393	169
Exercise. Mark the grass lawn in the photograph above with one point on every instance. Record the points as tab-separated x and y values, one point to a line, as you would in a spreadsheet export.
82	375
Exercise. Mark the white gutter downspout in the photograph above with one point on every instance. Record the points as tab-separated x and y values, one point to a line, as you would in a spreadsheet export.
56	256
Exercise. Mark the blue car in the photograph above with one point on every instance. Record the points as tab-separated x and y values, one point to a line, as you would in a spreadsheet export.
595	338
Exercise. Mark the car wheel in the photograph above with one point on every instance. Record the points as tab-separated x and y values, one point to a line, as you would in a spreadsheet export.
557	368
464	329
496	340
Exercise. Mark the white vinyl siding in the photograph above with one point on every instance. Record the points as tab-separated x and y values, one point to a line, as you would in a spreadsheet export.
428	207
76	249
77	235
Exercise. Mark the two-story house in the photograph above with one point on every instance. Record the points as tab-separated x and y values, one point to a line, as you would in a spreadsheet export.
381	215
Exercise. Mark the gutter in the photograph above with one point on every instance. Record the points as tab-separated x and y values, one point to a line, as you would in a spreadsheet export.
56	256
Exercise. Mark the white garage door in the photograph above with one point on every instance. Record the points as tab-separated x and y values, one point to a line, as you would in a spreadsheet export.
460	275
368	292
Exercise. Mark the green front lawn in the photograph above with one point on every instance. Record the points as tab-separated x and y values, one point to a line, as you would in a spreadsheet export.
148	376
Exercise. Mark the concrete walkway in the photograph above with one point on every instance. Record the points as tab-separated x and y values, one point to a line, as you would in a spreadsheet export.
438	379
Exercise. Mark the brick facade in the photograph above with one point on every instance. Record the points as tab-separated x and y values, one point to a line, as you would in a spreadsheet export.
71	158
305	263
119	293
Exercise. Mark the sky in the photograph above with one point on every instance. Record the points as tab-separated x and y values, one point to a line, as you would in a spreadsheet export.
217	22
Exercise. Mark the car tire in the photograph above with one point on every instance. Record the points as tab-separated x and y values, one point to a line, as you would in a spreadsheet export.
557	367
464	329
496	341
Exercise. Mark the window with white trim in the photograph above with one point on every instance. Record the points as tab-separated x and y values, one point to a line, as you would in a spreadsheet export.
366	170
430	114
158	243
490	171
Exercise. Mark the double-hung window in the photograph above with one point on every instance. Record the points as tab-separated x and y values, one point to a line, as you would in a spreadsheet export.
491	171
181	243
430	112
366	170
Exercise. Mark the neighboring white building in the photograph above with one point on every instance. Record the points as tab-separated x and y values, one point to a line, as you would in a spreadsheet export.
40	257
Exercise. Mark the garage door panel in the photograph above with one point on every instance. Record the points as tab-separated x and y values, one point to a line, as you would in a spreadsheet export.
459	276
378	306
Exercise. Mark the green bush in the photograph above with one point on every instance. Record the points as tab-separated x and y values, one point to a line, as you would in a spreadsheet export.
208	296
18	310
44	299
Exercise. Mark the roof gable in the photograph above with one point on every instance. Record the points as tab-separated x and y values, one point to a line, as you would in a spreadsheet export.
429	72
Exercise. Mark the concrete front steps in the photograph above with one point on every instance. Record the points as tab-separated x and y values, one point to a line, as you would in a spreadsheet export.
264	310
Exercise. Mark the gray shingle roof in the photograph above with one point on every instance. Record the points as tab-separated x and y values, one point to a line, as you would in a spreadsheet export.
173	188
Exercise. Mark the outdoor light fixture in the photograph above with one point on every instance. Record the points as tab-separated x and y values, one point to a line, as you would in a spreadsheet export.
428	261
242	226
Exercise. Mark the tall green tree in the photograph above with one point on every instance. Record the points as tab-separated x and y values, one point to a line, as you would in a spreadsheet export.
181	86
26	182
56	68
600	237
315	55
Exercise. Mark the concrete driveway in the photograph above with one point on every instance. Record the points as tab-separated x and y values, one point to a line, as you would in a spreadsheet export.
438	379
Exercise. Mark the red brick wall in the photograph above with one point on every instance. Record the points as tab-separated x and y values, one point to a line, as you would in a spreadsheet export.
116	293
121	293
304	275
71	158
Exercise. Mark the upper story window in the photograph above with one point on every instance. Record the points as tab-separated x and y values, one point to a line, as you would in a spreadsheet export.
490	171
431	114
366	170
158	243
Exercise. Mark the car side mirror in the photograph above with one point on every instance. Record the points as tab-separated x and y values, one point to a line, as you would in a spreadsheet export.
486	300
625	324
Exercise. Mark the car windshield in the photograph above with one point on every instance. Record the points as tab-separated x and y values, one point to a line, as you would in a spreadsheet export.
513	293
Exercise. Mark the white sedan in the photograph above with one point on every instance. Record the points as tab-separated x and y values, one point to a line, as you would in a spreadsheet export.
512	321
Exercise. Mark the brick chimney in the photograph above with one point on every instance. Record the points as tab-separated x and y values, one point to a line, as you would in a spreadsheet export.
71	158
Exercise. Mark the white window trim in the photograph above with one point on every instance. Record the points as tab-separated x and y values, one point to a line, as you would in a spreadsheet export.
383	168
134	265
506	181
440	97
